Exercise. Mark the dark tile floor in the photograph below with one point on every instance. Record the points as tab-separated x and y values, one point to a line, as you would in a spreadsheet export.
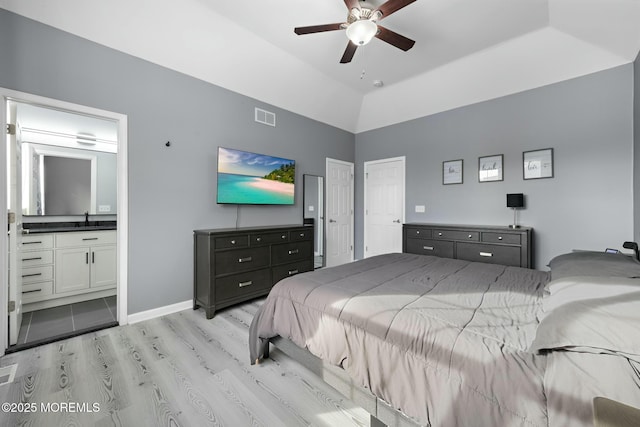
57	322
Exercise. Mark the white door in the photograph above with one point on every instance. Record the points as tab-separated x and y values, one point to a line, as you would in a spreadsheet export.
14	181
339	213
384	206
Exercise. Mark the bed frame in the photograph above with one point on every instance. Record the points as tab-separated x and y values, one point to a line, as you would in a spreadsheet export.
381	413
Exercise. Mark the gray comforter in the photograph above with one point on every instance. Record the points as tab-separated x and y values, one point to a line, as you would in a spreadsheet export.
445	341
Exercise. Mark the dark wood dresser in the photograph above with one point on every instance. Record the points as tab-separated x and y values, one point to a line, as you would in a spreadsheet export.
233	265
491	244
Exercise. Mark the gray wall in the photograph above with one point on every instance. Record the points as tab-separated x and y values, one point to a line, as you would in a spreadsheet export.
171	189
589	123
636	149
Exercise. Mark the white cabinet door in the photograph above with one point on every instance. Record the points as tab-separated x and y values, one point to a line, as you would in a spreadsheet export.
103	266
72	269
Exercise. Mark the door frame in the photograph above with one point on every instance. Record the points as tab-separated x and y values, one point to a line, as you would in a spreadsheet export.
326	204
122	212
402	159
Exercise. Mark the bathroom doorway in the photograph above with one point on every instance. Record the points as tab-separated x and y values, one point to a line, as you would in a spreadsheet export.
66	196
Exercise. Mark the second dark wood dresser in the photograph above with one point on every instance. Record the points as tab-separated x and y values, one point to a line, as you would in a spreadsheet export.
491	244
237	264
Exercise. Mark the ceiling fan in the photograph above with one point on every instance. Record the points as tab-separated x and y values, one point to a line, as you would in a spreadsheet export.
362	26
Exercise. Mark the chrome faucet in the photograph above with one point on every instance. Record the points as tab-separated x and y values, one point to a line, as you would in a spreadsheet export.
86	218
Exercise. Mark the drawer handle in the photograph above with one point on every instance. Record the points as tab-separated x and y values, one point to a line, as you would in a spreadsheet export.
470	236
292	272
294	251
90	238
32	259
31	291
258	239
301	234
243	284
247	259
233	242
417	232
427	248
499	237
31	243
284	236
32	275
439	234
487	254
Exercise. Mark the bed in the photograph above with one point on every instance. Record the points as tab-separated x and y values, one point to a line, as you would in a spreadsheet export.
450	342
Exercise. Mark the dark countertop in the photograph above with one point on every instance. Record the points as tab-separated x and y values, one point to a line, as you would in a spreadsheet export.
62	227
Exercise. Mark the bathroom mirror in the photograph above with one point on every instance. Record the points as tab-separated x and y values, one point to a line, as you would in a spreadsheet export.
313	201
67	181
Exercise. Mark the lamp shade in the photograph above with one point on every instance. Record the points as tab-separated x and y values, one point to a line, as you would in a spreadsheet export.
515	200
361	32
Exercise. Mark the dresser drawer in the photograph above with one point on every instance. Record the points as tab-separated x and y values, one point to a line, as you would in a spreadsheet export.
430	247
298	235
37	274
292	269
507	238
34	258
289	252
242	284
80	238
472	236
228	242
241	260
36	291
37	241
268	238
419	233
493	254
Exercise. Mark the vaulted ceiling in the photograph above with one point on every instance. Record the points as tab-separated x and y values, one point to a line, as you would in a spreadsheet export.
466	51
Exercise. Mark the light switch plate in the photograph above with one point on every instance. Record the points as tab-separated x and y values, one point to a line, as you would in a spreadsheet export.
420	208
104	208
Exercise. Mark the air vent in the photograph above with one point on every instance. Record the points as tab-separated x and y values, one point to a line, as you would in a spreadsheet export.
7	374
265	117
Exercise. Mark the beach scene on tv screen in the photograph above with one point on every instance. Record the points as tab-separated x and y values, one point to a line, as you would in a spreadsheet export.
251	178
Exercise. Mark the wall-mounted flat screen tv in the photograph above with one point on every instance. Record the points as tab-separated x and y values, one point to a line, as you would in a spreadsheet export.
246	178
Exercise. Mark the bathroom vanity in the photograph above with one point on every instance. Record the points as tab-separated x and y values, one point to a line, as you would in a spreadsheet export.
67	263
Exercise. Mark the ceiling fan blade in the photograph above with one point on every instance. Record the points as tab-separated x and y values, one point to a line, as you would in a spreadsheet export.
394	39
352	4
317	28
348	53
392	6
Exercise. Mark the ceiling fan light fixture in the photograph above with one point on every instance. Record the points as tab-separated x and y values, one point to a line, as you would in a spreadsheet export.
362	31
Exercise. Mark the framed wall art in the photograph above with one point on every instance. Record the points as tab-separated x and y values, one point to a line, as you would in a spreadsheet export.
452	172
538	164
490	168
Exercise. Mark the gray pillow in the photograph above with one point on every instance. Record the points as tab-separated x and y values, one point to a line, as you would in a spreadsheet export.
603	325
600	264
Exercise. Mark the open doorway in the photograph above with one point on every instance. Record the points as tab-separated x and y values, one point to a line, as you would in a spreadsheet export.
66	198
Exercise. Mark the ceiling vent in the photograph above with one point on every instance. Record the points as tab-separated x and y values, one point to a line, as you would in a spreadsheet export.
265	117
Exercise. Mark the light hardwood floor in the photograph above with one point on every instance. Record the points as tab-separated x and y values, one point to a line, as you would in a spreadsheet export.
177	370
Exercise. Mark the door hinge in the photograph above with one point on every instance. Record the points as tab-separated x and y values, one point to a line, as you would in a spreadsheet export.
351	247
12	306
11	129
11	217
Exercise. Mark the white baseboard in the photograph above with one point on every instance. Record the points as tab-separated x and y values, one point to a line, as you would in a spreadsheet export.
160	311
